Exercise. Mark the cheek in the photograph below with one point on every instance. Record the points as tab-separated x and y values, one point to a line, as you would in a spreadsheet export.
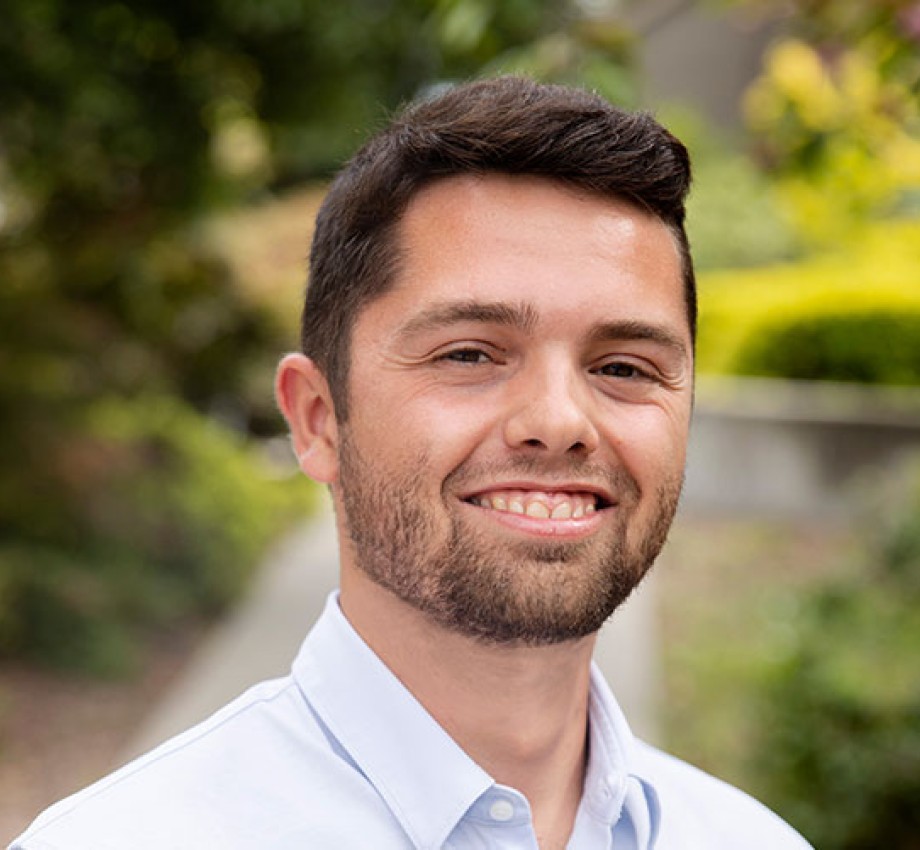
651	443
402	429
452	433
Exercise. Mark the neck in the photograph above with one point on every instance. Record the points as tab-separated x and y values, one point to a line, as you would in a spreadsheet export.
519	712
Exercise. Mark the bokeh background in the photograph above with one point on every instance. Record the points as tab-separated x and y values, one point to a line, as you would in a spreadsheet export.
160	164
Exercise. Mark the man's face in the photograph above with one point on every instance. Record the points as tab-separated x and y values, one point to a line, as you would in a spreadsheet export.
519	407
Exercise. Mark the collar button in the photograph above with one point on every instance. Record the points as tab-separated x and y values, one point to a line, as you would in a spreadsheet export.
501	810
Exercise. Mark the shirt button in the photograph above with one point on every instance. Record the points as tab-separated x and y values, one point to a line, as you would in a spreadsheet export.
502	810
612	788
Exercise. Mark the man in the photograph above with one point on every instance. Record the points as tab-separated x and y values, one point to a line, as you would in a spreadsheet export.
496	386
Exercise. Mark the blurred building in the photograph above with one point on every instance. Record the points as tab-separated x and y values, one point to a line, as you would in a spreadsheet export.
701	54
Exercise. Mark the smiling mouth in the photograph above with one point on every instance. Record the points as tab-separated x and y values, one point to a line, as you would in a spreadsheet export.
539	504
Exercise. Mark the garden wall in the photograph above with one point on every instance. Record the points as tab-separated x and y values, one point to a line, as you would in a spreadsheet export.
790	449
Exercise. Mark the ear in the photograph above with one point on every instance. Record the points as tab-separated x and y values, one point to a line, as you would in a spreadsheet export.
303	395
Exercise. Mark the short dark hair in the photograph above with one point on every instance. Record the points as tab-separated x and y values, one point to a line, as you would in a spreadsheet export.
508	125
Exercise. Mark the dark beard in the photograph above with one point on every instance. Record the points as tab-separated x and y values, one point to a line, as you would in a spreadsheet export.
533	594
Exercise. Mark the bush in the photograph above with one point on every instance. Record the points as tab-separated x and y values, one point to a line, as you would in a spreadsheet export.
814	318
155	515
874	347
841	746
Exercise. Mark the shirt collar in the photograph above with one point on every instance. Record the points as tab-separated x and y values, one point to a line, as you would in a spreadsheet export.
426	780
615	783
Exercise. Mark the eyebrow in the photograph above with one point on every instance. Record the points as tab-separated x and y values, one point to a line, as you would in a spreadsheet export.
629	329
520	316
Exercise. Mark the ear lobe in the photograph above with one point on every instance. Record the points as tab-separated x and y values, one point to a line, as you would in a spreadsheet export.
303	395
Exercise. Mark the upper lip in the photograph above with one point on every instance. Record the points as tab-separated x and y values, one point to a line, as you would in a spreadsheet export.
604	496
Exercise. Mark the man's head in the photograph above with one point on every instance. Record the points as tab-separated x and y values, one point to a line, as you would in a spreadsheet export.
507	125
502	296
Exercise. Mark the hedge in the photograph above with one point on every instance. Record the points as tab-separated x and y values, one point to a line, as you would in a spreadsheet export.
877	346
853	315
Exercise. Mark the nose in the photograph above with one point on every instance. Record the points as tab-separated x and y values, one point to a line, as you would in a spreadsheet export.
551	410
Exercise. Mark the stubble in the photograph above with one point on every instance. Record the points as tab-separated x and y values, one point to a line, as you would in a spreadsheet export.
525	593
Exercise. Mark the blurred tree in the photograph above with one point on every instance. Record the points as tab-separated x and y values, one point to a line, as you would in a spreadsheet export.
836	112
121	121
121	125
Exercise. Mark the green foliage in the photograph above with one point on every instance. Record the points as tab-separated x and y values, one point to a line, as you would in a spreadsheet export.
156	515
597	53
734	219
167	317
840	754
836	116
849	315
123	125
875	347
151	107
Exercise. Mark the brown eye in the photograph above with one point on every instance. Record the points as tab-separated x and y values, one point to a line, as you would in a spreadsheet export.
619	369
466	355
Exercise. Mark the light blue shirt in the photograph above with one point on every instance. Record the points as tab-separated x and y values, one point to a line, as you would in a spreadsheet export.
340	755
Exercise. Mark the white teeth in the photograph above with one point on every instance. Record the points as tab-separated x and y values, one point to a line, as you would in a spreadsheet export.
562	511
549	506
538	509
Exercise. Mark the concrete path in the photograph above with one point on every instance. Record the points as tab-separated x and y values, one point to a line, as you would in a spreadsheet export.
260	638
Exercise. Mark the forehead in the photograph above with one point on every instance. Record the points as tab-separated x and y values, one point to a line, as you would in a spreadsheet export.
520	237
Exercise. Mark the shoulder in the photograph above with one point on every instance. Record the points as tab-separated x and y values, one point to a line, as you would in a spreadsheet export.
717	815
259	772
